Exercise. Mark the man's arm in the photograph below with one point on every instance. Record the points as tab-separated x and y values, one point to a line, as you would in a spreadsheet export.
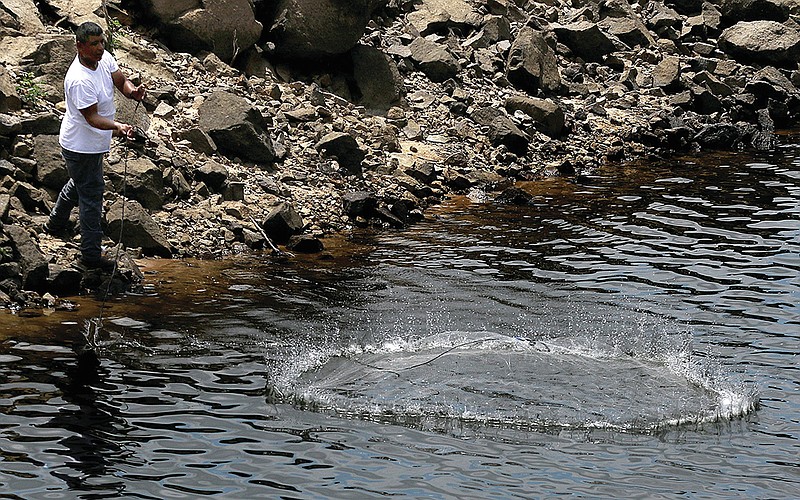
126	87
94	119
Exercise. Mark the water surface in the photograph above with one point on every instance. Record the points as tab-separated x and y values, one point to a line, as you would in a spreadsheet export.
631	335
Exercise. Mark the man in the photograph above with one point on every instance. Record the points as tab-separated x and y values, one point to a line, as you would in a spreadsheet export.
85	138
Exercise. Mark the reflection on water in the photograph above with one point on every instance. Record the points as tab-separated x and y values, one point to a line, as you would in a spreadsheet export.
631	335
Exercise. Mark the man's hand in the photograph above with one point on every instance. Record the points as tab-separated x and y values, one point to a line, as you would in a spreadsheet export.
138	93
124	130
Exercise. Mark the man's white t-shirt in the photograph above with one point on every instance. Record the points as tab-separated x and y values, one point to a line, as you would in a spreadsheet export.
82	88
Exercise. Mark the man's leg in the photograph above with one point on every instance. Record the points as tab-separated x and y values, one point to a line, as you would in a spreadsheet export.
86	172
59	216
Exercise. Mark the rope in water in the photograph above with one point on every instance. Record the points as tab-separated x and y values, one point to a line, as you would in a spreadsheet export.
99	323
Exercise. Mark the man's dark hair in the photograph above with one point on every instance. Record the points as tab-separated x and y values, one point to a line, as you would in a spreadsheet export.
86	30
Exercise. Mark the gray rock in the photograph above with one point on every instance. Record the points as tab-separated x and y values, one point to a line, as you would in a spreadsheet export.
199	140
305	244
762	41
437	15
532	64
139	230
629	30
585	39
76	13
65	280
310	29
32	198
9	98
377	77
32	263
213	174
50	169
501	129
667	73
236	127
23	17
346	150
548	116
224	27
434	60
734	11
144	181
282	222
359	204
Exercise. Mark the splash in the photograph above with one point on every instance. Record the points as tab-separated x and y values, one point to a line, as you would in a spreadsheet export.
492	380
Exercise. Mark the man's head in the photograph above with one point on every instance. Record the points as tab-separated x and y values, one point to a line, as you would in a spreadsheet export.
91	43
86	30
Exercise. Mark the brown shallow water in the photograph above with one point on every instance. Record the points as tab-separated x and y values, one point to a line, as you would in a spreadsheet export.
632	335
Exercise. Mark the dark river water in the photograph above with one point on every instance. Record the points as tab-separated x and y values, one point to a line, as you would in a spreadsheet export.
634	335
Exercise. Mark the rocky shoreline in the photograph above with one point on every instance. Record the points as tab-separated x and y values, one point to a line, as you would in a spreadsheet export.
286	121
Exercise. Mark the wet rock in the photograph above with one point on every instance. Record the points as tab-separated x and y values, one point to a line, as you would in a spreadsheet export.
282	222
137	230
762	41
65	280
532	64
236	127
359	204
305	244
514	196
718	136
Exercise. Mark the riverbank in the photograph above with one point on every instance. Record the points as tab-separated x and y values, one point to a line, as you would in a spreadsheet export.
292	141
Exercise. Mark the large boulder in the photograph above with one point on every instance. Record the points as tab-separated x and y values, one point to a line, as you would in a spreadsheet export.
346	150
46	57
585	39
282	222
50	169
9	98
548	116
140	179
377	77
762	41
137	229
311	29
224	27
237	128
77	13
22	17
435	15
501	129
32	262
734	11
532	64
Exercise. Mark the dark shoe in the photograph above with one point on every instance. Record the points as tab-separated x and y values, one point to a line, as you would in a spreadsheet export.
105	265
59	231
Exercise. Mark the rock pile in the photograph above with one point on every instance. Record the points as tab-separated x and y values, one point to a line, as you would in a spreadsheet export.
311	116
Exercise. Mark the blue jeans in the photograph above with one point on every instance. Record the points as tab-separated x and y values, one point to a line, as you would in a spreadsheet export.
84	190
